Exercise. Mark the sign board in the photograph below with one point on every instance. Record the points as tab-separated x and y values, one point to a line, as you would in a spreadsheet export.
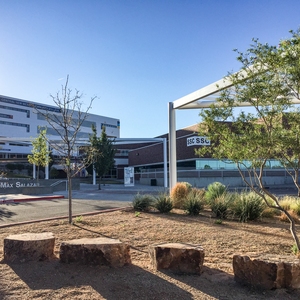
129	176
10	184
197	141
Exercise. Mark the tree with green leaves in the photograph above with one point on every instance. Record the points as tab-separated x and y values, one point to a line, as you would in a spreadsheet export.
40	152
269	81
101	153
67	124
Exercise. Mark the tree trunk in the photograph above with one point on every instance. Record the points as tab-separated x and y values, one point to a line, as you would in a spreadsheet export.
99	185
70	195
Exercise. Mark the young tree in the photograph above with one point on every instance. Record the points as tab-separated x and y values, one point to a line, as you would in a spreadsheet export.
270	82
67	125
101	153
40	152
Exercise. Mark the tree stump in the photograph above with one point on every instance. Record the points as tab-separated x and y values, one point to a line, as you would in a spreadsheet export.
177	257
96	251
267	271
29	246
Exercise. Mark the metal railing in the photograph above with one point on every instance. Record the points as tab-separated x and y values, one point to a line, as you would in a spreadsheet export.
59	182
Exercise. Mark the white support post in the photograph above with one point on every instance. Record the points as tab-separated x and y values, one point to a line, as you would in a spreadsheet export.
165	163
172	147
33	171
47	172
47	166
94	176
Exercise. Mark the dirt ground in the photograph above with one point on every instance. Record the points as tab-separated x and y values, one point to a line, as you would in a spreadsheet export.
55	280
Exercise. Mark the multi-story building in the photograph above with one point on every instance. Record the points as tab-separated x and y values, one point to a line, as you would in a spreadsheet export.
20	122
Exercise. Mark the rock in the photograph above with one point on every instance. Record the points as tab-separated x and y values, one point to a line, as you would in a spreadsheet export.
267	271
96	251
29	247
177	257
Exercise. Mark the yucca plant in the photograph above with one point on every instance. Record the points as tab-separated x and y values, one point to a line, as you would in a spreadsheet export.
220	205
163	203
248	207
193	204
215	190
142	202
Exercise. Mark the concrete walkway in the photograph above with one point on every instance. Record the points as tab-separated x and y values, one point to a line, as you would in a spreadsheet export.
20	208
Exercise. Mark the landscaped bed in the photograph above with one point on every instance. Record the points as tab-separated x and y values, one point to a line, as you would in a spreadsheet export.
220	240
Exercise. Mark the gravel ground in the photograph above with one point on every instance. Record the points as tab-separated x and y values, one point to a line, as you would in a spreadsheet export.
55	280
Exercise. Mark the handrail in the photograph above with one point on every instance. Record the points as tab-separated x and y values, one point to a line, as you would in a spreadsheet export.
60	181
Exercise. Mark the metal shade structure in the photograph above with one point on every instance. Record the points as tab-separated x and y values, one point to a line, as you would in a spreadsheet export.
201	98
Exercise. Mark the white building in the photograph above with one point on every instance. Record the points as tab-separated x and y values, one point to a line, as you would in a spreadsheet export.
20	122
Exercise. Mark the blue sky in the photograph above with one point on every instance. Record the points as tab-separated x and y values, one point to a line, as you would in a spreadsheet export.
134	55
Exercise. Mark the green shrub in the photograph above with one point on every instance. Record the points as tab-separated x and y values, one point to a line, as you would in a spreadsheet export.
248	207
215	190
142	202
193	204
179	193
163	203
220	205
195	201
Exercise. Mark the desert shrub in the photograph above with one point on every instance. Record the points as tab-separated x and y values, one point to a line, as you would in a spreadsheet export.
220	205
270	212
248	207
163	203
193	204
200	193
142	202
179	193
291	203
215	190
284	218
295	207
286	202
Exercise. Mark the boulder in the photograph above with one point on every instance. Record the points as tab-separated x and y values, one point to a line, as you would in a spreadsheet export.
95	251
267	271
179	258
29	247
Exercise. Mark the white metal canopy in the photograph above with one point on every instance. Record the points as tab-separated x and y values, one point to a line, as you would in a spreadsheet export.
201	98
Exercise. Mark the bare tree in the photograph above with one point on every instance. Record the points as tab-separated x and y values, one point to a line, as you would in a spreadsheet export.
67	124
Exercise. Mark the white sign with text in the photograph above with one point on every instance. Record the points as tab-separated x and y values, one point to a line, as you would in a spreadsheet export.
197	141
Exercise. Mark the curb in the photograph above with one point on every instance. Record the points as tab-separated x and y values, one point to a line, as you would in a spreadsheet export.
4	201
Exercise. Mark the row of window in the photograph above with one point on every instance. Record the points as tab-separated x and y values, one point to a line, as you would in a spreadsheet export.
26	111
13	155
108	125
27	126
29	104
85	123
229	165
5	116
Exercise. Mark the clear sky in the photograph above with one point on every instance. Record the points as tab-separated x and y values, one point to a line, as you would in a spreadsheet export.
135	55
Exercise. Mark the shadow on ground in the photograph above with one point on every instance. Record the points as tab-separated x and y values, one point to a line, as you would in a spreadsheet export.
6	213
129	282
